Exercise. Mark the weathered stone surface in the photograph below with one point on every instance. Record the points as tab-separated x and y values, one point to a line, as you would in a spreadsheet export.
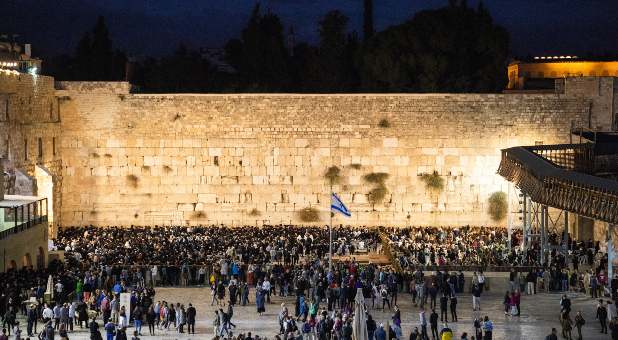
164	154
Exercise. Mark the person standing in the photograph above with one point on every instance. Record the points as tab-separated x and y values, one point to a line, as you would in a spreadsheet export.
423	323
602	316
259	301
31	320
191	312
110	330
453	308
433	322
567	325
476	297
488	328
531	282
481	278
151	316
579	322
443	308
138	316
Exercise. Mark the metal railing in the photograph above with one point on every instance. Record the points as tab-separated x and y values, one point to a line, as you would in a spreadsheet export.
575	157
19	218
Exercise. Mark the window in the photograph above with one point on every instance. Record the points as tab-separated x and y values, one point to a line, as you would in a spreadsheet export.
25	149
51	110
54	146
40	141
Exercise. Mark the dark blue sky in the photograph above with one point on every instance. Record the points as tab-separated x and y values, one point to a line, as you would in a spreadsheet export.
143	27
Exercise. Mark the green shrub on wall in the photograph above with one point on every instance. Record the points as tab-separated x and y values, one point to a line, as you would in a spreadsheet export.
355	166
199	215
309	215
376	177
384	123
377	194
133	181
332	175
433	181
498	206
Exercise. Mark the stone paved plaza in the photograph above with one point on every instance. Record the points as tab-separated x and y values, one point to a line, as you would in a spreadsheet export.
539	315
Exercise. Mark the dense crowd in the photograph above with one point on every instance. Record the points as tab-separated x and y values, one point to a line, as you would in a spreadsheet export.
247	266
484	247
207	245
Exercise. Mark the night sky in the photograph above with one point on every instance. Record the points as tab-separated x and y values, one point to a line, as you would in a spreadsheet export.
155	27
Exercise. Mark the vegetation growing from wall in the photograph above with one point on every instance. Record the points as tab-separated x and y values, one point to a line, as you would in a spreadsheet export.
433	181
199	214
254	212
333	175
133	181
356	166
384	123
498	206
378	192
376	177
309	215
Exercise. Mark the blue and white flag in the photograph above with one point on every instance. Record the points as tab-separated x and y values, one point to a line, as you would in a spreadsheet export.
337	206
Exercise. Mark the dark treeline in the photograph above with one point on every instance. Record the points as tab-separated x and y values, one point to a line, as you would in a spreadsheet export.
451	49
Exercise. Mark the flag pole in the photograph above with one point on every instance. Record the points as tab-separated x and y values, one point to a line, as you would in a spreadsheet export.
330	233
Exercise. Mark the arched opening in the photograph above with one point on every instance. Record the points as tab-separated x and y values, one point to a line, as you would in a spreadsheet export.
13	265
40	259
27	260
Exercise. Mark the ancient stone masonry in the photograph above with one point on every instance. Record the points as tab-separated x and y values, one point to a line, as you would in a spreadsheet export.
124	158
253	159
29	132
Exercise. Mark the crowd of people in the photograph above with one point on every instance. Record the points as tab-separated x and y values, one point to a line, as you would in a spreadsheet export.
248	266
470	246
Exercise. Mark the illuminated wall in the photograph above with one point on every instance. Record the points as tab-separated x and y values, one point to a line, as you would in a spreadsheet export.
205	159
518	72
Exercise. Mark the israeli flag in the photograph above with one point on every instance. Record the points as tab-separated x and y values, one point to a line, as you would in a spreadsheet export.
337	206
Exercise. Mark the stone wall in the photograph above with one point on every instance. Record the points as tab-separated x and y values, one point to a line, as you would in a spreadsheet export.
30	131
603	95
28	247
253	159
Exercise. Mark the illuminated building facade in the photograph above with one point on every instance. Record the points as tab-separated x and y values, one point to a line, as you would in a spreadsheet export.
541	72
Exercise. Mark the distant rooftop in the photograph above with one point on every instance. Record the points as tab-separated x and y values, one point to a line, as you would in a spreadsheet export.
564	58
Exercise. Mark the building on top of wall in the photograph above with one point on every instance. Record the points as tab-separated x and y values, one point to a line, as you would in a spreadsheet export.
540	72
15	57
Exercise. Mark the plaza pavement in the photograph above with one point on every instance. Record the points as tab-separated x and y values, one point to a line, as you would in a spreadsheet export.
539	314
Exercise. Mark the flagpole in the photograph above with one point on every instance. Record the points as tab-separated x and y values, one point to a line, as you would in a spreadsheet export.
330	233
